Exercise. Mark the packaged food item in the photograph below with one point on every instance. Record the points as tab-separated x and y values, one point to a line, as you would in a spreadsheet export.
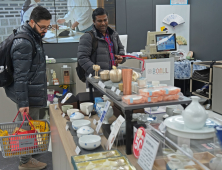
133	99
16	129
171	97
40	126
151	92
153	99
170	90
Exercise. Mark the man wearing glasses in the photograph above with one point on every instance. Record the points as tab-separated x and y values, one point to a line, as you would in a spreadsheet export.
29	89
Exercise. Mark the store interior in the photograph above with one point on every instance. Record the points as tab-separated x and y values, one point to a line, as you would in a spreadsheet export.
159	110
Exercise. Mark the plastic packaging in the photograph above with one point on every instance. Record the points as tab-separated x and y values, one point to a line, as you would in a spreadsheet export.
133	99
171	97
153	99
170	90
151	92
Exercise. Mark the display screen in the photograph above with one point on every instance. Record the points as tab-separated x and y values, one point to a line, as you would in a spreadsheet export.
166	42
65	14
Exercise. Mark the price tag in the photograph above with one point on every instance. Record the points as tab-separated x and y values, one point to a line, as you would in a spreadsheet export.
89	114
90	75
78	150
63	115
55	107
113	88
101	84
162	127
67	127
65	66
118	92
94	121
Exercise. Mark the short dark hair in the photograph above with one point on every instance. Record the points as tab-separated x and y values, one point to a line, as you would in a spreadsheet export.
99	11
40	13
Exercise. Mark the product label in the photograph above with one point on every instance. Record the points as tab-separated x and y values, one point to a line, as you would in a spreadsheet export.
26	143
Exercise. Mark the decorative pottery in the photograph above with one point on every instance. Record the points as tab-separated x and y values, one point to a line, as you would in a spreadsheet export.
80	123
177	112
90	142
100	108
115	75
142	82
174	164
216	163
96	68
71	111
86	107
84	130
195	115
135	76
66	107
104	75
76	116
127	81
120	86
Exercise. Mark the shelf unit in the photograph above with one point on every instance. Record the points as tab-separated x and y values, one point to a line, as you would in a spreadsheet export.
208	64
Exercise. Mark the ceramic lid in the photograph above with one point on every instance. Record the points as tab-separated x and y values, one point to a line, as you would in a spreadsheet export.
85	130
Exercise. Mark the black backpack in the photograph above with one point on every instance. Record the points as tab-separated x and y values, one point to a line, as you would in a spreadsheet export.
80	71
6	67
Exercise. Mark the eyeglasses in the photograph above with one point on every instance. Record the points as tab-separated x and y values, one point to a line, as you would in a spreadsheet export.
44	28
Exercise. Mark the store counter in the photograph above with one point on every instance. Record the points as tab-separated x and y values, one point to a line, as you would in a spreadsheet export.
63	145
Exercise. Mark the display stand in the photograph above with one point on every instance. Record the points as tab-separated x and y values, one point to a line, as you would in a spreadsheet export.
128	109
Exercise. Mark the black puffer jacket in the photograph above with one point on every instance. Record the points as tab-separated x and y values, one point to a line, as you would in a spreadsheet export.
101	56
29	88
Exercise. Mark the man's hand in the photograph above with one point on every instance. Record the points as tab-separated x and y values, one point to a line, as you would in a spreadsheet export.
74	25
24	109
119	59
61	21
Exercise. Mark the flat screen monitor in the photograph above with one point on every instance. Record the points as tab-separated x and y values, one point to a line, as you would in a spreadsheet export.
166	42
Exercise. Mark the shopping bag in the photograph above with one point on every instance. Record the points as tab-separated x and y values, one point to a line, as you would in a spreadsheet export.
23	141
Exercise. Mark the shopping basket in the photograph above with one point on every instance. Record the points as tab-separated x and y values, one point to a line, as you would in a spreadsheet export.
23	143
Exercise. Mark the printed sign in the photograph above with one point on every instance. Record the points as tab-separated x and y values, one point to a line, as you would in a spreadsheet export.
158	71
102	116
148	153
138	141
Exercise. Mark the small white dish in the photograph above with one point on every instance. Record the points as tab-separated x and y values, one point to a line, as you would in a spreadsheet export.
76	116
71	111
80	123
86	107
84	130
90	142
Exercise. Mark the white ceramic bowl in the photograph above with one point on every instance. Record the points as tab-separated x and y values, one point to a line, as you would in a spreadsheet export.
90	142
170	109
122	127
80	123
71	111
84	130
86	107
76	116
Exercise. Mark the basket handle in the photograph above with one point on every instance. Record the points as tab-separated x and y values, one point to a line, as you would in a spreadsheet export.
131	56
24	115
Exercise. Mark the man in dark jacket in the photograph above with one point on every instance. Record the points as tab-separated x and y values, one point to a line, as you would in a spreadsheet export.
29	89
109	45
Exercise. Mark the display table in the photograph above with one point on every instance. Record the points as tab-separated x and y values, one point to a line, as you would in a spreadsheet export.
128	109
63	145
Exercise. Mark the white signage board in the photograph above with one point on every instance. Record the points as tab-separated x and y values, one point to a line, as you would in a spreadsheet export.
158	71
178	2
148	153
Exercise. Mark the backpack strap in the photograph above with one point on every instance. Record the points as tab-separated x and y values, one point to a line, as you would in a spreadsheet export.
94	43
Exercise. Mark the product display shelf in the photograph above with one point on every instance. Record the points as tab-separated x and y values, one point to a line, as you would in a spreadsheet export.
128	109
210	65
